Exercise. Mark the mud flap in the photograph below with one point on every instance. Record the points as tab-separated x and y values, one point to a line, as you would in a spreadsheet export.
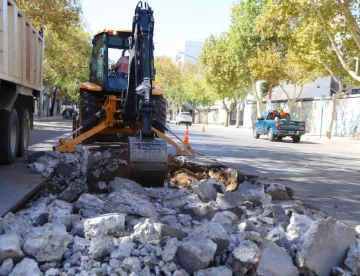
147	160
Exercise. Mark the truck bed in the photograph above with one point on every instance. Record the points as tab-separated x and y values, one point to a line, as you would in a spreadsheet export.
21	49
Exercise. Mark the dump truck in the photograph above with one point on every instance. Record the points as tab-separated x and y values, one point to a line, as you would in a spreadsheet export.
129	104
21	71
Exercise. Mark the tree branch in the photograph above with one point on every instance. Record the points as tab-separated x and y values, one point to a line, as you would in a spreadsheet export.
287	95
351	22
331	73
336	49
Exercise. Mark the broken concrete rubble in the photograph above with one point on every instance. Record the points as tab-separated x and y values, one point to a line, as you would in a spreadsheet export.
217	224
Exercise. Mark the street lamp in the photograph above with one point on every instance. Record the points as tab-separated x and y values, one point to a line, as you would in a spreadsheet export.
179	52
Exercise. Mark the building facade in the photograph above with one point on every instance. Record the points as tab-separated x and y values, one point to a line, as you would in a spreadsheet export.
189	52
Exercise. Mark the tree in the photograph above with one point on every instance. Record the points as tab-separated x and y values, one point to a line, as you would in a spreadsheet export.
309	42
168	77
67	44
219	71
194	85
244	42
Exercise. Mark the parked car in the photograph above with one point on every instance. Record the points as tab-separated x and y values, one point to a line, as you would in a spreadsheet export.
184	118
69	112
269	124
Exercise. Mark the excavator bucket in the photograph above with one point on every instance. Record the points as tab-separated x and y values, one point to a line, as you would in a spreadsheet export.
147	161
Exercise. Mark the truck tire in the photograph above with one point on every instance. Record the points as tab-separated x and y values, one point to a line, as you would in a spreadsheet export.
89	106
160	113
255	134
9	138
296	139
24	131
270	134
279	138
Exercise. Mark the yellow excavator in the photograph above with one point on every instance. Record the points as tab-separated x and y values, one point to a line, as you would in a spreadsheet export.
129	105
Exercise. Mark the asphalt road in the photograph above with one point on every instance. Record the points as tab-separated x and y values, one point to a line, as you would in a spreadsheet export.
324	175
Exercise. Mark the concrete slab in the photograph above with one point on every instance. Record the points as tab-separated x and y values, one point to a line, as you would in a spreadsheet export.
16	185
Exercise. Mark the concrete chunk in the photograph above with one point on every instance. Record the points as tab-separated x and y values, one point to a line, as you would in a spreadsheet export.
109	224
26	267
194	255
214	271
275	261
244	257
10	247
324	246
47	243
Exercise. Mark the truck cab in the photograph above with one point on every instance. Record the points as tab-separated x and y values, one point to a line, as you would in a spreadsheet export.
277	127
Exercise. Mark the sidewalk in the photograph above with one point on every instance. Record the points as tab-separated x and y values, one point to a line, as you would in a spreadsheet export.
48	118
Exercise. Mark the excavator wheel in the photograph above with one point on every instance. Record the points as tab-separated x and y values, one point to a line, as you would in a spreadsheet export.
160	113
89	106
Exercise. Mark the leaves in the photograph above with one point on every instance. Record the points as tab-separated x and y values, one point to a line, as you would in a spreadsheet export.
67	44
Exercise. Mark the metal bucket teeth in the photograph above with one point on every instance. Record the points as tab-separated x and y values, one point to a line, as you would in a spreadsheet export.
148	161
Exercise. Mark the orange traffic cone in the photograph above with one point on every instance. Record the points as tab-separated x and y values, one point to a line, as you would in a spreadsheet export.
186	138
203	129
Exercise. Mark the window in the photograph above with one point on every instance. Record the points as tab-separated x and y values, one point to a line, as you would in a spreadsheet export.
97	63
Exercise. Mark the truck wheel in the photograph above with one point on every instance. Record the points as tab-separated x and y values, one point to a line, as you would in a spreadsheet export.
279	138
270	135
160	113
24	131
255	134
9	138
296	139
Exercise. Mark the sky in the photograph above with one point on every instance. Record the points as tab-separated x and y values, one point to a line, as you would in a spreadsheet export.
175	20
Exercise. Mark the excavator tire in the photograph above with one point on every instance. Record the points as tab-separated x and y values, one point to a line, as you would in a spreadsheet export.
89	106
160	113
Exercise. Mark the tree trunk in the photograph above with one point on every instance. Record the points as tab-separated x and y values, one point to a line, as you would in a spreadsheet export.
207	116
238	106
227	119
333	114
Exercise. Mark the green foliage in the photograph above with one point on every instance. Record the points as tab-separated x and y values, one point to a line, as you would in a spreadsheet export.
181	84
67	44
218	67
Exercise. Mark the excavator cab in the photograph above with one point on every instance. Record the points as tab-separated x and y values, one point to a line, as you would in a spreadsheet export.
108	47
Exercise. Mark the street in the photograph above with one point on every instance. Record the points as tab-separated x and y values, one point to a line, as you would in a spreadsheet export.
323	175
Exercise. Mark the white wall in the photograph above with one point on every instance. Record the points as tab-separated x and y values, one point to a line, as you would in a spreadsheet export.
347	120
310	90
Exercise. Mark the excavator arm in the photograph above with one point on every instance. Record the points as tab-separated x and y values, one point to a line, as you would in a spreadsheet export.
138	103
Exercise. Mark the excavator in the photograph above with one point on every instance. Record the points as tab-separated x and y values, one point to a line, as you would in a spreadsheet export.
130	106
